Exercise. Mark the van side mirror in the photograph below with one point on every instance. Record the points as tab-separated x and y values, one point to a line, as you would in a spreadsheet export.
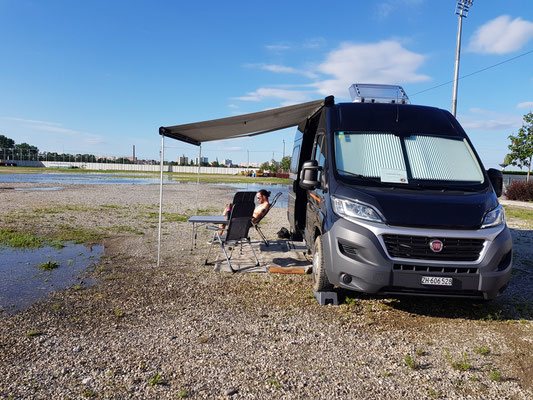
309	175
496	178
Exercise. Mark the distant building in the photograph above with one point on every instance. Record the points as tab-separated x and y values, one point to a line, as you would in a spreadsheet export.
251	165
108	158
227	163
202	160
182	160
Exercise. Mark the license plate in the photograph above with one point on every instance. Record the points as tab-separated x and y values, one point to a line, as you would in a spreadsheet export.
437	280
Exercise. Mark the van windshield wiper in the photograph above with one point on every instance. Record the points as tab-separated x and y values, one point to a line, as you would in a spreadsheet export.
350	173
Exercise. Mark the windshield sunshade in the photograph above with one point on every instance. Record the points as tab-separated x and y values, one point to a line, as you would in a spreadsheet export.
429	158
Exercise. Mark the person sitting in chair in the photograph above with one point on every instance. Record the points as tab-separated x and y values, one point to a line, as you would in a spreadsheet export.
262	197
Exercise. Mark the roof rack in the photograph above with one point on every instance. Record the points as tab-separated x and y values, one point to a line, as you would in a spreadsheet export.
374	93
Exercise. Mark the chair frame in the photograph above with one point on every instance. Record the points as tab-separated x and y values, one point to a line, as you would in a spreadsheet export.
256	224
236	231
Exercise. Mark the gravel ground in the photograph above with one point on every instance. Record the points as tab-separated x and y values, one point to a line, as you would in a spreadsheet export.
182	330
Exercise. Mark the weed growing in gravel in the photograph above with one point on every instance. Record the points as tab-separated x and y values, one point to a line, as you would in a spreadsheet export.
274	382
462	365
20	240
33	332
88	394
411	362
473	378
481	350
183	394
118	313
495	375
156	380
433	393
420	353
48	266
350	302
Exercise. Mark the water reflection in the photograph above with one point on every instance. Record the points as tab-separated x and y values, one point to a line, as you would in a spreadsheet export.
22	282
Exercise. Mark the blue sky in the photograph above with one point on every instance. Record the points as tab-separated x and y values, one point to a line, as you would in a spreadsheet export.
101	76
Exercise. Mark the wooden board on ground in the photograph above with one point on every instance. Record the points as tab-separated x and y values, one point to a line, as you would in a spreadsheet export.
287	270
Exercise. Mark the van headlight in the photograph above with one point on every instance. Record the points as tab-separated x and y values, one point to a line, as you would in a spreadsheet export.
494	217
351	209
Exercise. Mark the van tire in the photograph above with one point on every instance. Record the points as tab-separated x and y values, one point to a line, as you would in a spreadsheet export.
320	279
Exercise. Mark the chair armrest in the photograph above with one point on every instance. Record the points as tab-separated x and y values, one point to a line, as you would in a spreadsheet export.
215	228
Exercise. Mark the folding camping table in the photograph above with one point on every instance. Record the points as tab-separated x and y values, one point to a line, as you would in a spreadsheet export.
201	220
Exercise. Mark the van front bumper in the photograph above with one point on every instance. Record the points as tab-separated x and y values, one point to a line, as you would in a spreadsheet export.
357	259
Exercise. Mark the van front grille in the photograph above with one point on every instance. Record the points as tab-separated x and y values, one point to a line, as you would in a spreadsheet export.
417	247
439	270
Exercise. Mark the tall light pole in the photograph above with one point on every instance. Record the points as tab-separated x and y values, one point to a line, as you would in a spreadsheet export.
461	10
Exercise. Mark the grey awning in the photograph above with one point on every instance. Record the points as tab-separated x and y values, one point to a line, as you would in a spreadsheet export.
244	125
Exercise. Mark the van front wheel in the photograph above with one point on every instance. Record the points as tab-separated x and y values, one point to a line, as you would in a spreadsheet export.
320	279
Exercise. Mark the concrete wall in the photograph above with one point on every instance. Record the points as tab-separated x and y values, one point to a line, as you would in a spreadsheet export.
128	167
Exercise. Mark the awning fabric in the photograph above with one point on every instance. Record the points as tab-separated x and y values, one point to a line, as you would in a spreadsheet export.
244	125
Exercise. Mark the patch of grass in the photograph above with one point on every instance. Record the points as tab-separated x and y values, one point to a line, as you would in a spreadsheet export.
124	228
481	350
48	266
33	333
411	362
495	375
420	353
18	240
520	213
157	379
78	235
462	365
433	393
118	313
88	394
183	394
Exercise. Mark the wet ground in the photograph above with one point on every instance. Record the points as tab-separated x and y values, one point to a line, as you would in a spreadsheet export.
24	279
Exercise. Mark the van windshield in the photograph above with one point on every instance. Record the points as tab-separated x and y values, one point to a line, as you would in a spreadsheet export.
417	159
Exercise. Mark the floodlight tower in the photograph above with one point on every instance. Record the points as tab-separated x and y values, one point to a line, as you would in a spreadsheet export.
461	10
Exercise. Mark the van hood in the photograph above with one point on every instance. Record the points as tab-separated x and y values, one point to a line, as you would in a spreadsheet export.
428	208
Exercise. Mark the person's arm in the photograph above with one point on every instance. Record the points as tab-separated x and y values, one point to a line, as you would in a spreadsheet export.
259	212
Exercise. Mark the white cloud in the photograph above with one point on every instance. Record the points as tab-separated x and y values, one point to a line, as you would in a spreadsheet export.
278	47
314	43
487	120
288	97
32	121
501	35
386	8
525	104
384	62
282	69
55	127
233	106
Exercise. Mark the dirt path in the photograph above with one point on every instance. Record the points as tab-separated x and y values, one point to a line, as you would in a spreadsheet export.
182	330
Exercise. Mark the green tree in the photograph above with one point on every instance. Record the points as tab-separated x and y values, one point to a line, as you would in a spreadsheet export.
285	163
522	145
6	143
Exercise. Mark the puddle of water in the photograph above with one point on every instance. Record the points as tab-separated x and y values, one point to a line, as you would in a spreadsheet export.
23	283
39	189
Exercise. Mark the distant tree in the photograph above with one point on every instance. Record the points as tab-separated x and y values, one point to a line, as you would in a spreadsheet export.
285	163
6	143
522	145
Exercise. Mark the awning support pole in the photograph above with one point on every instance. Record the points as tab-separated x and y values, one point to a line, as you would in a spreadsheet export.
198	178
160	200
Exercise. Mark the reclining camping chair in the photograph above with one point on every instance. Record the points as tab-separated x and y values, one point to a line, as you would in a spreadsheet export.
236	231
255	224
